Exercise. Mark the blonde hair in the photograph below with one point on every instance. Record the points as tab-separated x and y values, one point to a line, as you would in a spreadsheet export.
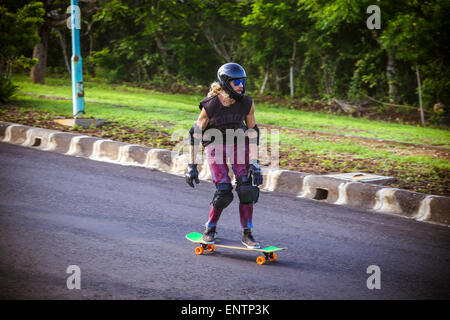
216	89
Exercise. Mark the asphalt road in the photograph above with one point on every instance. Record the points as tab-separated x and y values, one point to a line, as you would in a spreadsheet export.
125	228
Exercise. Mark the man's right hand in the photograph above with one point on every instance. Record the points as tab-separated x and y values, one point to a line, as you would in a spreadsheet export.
192	174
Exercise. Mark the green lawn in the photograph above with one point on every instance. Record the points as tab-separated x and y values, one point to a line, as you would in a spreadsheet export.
140	104
328	146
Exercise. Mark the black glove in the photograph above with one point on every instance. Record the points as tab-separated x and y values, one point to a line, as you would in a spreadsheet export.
192	174
255	172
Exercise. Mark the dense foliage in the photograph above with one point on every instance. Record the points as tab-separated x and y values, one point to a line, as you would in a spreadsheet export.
17	36
306	48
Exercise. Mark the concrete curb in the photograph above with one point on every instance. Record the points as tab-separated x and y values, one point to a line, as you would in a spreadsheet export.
412	205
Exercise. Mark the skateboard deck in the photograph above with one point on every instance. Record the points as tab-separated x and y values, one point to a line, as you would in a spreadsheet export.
269	252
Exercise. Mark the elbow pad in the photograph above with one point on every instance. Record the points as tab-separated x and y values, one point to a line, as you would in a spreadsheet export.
253	135
195	135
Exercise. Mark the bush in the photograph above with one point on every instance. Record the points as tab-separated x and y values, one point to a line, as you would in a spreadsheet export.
7	89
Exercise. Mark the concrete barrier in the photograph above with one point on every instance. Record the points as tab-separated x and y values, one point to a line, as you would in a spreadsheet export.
82	146
290	182
179	163
135	155
409	202
3	126
38	137
16	134
60	142
435	209
284	181
360	195
386	201
321	188
413	205
159	159
269	176
108	149
399	202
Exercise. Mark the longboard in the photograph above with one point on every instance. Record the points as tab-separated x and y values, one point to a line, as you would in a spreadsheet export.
269	252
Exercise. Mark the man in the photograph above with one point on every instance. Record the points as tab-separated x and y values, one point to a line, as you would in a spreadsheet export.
224	111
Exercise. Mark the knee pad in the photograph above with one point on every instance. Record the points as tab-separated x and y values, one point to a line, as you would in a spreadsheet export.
247	193
223	196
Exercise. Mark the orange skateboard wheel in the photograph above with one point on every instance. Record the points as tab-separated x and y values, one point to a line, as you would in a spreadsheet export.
260	260
211	248
273	257
199	250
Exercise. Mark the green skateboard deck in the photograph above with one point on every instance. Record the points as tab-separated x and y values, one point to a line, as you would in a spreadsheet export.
269	252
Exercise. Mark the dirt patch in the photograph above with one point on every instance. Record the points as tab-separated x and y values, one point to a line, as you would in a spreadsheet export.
373	141
150	137
402	149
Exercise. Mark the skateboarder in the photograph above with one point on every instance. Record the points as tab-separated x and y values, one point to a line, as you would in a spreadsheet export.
221	130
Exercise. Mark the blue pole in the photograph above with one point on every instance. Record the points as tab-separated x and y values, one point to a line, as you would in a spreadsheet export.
77	72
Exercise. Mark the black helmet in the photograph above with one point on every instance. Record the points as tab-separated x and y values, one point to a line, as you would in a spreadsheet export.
231	71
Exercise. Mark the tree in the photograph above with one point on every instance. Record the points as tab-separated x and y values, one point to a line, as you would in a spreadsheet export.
336	43
16	37
220	22
314	48
274	29
419	33
55	15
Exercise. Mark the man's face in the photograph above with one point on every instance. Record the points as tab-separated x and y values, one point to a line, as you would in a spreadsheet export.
239	88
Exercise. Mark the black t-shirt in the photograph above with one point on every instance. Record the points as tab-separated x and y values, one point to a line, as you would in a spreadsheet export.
222	118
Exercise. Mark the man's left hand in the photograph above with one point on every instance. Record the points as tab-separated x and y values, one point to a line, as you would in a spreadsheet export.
255	171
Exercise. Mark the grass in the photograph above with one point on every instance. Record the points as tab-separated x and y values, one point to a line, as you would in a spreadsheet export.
111	101
150	117
353	126
182	109
329	147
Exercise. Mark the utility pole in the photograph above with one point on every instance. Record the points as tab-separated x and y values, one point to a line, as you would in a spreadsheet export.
74	23
77	70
